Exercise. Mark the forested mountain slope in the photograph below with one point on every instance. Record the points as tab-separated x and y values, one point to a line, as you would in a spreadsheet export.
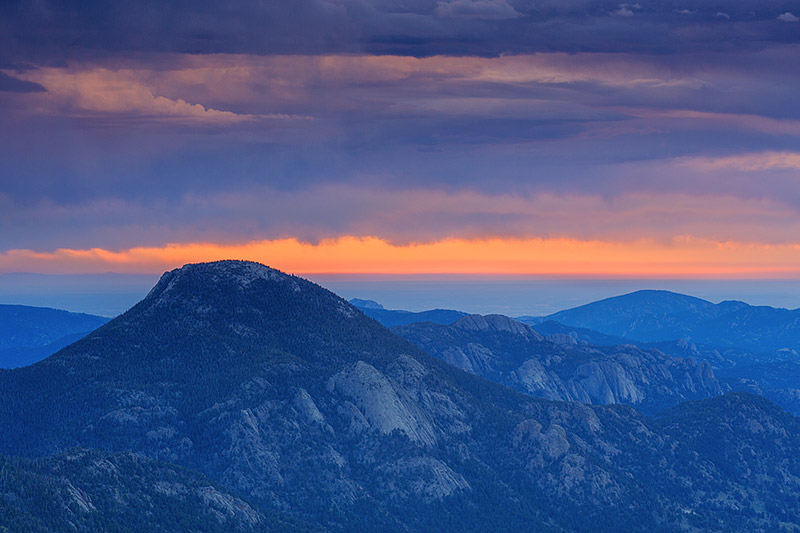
286	395
29	334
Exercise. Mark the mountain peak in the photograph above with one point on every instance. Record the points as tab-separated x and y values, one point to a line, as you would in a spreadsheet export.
232	274
495	323
645	315
244	271
366	304
232	316
658	296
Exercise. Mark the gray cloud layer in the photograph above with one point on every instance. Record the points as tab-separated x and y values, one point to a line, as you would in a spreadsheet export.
56	30
145	122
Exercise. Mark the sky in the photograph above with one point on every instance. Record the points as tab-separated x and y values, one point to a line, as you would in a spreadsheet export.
111	294
584	139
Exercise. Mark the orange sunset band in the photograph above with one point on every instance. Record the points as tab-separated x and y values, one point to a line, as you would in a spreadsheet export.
682	257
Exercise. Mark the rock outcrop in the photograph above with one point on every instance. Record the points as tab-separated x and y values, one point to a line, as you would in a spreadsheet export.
511	353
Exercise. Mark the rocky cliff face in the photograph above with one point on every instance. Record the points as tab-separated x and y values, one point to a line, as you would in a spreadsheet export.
284	394
561	368
772	374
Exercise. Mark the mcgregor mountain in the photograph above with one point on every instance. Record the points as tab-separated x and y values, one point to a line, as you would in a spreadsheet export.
655	316
279	392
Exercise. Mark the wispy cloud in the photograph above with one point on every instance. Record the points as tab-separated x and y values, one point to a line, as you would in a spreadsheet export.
579	146
774	126
627	10
124	92
404	216
754	162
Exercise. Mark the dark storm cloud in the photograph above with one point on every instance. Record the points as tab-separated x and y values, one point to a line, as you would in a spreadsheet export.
15	85
477	9
58	30
283	120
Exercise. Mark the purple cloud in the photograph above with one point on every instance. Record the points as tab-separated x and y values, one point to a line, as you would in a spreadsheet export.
489	117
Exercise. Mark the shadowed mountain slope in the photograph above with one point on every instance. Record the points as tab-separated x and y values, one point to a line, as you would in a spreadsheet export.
29	334
25	326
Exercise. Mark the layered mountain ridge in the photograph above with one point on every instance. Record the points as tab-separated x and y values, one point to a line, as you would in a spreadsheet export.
655	316
29	334
284	394
397	317
506	351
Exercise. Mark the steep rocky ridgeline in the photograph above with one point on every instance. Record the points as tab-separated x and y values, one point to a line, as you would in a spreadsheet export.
750	348
284	394
559	367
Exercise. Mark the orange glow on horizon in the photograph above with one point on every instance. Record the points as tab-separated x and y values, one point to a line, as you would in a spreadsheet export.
684	257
